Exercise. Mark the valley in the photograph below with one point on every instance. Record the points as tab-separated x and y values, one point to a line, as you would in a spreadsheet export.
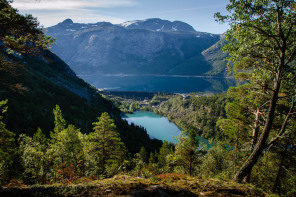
197	111
148	107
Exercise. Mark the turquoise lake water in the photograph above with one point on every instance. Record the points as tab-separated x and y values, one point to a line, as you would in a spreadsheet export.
158	127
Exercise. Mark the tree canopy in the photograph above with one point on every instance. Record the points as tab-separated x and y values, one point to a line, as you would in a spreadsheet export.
262	48
19	33
105	146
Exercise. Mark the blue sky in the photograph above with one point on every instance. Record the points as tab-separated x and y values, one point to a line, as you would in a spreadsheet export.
198	13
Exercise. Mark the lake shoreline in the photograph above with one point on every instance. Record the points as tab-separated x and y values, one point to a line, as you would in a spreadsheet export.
159	83
154	75
157	126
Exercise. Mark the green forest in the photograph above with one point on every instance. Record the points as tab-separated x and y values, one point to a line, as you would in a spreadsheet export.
56	130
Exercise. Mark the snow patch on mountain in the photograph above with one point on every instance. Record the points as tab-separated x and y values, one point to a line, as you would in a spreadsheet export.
128	23
156	24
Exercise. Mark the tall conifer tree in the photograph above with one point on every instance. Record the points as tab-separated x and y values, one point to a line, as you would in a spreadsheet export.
106	148
262	48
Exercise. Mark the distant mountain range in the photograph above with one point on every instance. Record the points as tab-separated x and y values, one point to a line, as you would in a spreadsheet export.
151	46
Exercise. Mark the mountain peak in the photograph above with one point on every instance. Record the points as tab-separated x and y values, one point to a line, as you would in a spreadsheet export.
67	21
157	24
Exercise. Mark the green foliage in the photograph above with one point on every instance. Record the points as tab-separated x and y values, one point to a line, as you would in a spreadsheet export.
66	146
267	169
198	113
66	142
106	150
8	149
40	138
36	80
262	50
42	157
215	161
59	122
20	34
69	154
165	150
159	98
217	58
186	151
143	155
153	158
35	85
34	157
133	106
235	127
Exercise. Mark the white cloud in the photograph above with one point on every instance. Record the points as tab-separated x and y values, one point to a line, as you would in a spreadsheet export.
191	9
70	4
54	18
51	12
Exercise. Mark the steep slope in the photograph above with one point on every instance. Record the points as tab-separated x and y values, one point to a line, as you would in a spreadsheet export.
152	46
34	85
216	58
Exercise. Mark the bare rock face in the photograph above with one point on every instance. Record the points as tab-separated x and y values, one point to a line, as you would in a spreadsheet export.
151	46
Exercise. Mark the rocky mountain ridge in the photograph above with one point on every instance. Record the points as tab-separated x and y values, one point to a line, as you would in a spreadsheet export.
156	24
151	46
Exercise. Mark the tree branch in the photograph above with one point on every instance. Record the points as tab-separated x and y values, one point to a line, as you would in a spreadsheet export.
273	140
263	32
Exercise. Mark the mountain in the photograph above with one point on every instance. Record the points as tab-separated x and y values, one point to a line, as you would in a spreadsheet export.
151	46
33	86
217	58
157	24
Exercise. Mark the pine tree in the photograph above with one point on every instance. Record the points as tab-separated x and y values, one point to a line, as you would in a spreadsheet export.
235	127
143	154
106	149
20	34
165	150
262	49
59	121
66	146
186	150
34	157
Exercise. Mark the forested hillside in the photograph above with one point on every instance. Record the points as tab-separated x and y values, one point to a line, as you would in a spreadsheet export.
199	113
217	58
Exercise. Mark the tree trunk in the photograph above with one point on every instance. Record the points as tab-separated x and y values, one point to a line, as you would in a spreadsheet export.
236	148
261	144
254	140
276	186
255	130
190	167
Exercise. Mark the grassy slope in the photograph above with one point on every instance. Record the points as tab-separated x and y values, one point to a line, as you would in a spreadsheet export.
162	185
34	85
